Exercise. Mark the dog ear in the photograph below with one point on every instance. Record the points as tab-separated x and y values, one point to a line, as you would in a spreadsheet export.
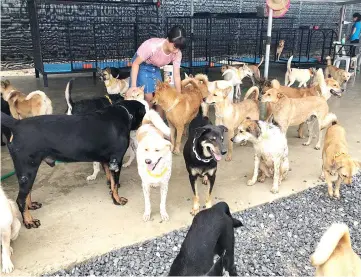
254	129
275	84
223	128
198	132
99	70
185	75
142	88
226	91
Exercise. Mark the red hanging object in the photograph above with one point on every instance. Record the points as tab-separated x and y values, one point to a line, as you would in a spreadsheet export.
158	3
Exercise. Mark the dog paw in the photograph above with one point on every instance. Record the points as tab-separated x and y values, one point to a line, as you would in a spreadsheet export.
126	165
176	151
122	201
337	195
91	178
321	178
305	144
7	265
164	216
35	223
146	216
274	189
261	179
194	211
208	205
250	183
35	206
317	147
330	193
229	158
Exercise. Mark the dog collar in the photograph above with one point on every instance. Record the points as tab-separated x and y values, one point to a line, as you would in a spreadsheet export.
197	156
173	105
157	175
110	100
130	116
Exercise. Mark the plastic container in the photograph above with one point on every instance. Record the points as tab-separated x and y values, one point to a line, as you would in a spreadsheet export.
168	74
343	40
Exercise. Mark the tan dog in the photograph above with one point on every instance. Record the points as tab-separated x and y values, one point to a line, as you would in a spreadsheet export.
334	255
294	111
231	114
113	85
9	230
23	106
337	166
280	47
179	109
340	75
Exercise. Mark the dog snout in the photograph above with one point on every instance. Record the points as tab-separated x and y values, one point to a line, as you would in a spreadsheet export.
342	90
232	139
148	161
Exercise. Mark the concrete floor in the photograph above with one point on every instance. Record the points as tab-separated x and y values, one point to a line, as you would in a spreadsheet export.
79	220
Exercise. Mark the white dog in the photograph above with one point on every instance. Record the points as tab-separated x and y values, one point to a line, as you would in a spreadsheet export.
235	77
136	94
270	144
9	229
300	75
154	158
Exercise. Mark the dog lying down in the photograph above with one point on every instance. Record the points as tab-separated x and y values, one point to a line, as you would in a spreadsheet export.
9	230
101	136
334	255
211	233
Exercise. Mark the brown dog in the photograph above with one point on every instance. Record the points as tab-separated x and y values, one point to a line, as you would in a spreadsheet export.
23	106
280	47
180	109
340	75
334	255
338	166
294	111
230	114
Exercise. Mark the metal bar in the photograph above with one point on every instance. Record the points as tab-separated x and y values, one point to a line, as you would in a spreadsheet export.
342	16
125	3
268	44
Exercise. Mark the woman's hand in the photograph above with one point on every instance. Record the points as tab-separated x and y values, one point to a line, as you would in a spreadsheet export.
177	79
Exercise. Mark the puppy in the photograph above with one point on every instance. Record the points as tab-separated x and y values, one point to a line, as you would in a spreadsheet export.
295	74
186	104
270	145
9	230
340	75
202	150
337	164
4	130
294	111
154	158
334	255
211	233
116	73
101	136
280	47
23	106
113	85
232	114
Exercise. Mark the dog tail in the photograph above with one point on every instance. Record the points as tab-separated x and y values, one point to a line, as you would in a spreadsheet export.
337	235
68	99
232	72
188	81
289	64
260	63
202	77
8	121
328	59
157	121
329	119
250	91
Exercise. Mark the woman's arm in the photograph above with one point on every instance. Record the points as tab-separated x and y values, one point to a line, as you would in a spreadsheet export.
177	78
135	70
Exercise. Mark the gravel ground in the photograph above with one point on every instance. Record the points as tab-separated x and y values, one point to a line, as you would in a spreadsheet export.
277	239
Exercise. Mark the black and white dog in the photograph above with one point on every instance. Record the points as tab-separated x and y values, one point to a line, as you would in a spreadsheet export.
211	232
101	136
203	149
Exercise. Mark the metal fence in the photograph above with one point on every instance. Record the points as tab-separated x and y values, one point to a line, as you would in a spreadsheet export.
81	35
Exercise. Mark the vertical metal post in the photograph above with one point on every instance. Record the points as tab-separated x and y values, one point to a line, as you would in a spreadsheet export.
192	35
268	43
342	16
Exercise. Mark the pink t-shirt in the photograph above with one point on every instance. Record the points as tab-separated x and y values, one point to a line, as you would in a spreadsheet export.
151	51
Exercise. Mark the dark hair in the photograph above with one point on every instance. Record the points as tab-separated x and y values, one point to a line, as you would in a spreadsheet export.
177	35
358	16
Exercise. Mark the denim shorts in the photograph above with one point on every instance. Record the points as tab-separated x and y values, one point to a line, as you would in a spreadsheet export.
148	75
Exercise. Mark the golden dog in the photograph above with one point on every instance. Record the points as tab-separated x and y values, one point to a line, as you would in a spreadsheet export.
340	75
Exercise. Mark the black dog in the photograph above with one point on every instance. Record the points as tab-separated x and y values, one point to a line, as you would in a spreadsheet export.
211	233
201	152
101	136
4	130
86	105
